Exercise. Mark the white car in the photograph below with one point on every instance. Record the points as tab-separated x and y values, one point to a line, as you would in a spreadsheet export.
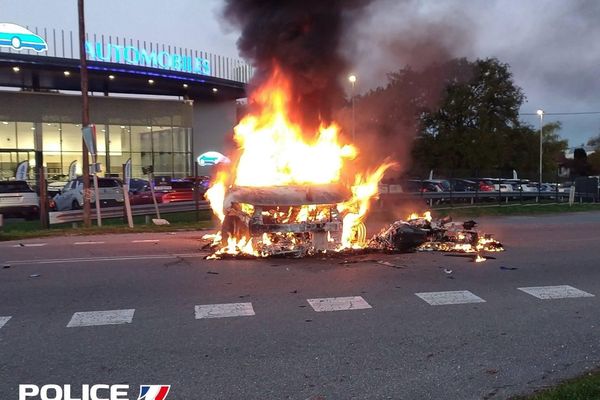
17	199
71	195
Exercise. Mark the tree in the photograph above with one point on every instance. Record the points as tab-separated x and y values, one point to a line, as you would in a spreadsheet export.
580	165
476	126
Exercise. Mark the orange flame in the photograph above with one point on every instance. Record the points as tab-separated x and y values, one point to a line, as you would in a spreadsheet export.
274	150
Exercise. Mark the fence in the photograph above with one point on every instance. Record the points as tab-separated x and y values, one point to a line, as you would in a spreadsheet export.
59	217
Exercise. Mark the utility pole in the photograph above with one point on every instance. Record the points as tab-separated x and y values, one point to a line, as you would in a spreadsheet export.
85	117
352	80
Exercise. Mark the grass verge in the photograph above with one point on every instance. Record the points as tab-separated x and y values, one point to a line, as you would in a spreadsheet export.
517	209
17	229
585	387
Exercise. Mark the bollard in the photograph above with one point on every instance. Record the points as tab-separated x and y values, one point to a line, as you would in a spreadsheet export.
147	217
1	221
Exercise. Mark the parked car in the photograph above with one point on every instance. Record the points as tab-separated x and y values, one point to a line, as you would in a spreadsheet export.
441	183
417	186
55	184
17	199
71	195
179	190
463	185
484	185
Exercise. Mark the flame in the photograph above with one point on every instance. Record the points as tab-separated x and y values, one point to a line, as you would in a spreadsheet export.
275	150
479	258
414	216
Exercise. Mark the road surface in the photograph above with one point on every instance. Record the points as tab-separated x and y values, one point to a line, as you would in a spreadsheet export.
148	309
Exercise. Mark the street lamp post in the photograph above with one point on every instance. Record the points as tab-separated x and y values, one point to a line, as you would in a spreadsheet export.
352	80
541	115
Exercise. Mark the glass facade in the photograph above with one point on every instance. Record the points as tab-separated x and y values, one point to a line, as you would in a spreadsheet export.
158	140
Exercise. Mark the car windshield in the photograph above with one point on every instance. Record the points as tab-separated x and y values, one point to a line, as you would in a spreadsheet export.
15	187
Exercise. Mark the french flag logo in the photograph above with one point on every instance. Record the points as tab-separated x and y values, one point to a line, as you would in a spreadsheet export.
154	392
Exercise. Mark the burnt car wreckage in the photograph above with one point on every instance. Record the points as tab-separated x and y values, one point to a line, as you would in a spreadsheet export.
286	220
298	221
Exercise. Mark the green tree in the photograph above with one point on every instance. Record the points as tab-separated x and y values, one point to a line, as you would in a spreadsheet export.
476	126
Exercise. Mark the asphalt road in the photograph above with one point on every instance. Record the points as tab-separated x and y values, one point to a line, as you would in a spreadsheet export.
505	343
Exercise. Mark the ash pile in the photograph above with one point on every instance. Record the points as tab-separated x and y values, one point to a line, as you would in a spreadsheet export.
422	233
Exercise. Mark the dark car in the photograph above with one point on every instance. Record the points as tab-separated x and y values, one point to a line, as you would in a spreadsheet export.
179	190
441	183
416	186
463	185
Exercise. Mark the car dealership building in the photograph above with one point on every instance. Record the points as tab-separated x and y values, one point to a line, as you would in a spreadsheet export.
153	103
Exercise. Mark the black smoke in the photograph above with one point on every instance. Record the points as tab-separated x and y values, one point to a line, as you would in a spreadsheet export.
303	38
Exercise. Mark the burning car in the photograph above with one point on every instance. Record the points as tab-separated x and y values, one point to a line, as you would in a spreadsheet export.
289	188
290	220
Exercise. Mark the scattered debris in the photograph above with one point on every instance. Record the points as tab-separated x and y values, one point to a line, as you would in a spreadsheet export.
34	275
6	266
425	234
417	233
479	258
294	291
389	264
212	273
508	268
447	270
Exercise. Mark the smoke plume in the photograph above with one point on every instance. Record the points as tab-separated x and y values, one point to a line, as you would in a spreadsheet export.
303	39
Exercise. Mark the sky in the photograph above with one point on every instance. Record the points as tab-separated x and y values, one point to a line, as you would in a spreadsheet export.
552	46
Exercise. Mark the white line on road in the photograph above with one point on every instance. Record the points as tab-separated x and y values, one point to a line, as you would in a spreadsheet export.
82	243
97	259
29	245
338	304
3	321
145	241
453	297
555	292
93	318
224	310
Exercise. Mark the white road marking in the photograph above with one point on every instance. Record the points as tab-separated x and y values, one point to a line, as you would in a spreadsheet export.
555	292
81	243
224	310
145	241
453	297
3	321
93	318
97	259
338	304
29	245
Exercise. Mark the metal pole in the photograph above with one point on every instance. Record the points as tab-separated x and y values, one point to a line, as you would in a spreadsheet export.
541	138
97	196
85	116
151	181
353	116
43	188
